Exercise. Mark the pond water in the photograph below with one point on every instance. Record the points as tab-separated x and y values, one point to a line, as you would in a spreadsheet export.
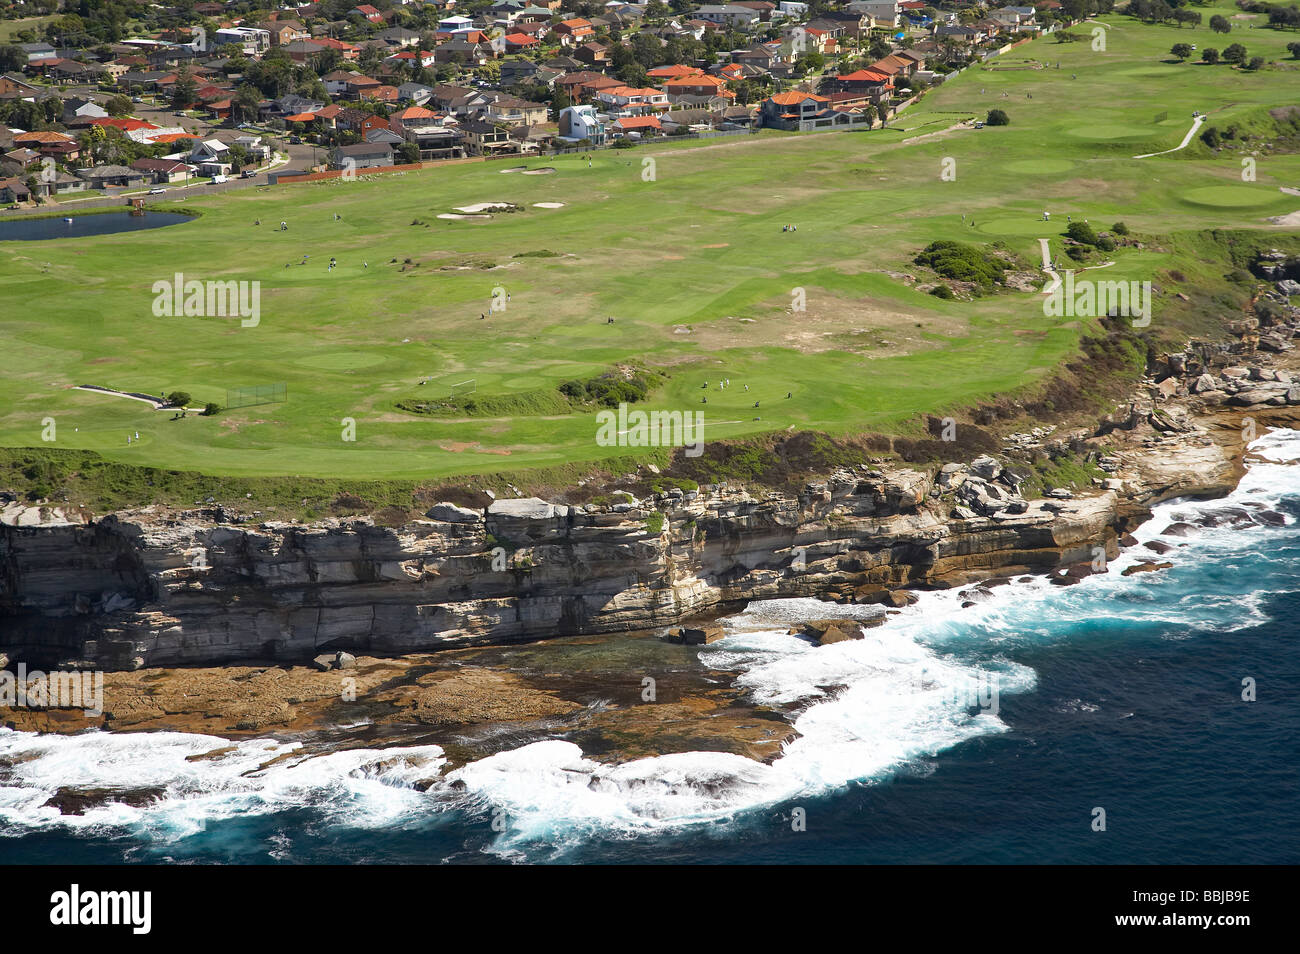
36	230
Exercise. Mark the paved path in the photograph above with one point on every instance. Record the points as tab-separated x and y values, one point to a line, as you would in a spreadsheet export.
1196	124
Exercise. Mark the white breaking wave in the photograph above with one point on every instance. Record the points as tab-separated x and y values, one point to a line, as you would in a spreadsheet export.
928	679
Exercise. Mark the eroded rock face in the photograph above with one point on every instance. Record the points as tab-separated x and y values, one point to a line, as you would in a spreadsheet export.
140	590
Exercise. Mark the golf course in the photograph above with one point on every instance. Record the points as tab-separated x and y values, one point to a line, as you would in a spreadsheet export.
682	244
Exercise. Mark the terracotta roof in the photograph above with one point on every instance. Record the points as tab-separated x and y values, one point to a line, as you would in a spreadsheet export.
794	99
42	137
639	122
126	125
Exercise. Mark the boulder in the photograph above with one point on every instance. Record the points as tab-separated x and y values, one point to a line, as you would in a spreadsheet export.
325	661
450	513
345	661
985	467
1145	567
828	631
525	508
1204	383
694	635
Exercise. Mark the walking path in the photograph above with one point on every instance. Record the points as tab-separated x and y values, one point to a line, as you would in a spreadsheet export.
1196	124
158	403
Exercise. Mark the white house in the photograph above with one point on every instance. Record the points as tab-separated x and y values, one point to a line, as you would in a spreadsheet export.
250	40
583	122
211	156
455	24
729	15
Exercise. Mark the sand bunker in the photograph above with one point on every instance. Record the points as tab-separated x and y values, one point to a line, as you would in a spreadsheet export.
453	215
544	171
514	169
484	207
1288	220
548	205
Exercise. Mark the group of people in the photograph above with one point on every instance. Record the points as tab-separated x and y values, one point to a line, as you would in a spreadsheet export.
789	228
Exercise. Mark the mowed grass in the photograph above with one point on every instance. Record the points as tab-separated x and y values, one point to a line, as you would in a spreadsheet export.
691	262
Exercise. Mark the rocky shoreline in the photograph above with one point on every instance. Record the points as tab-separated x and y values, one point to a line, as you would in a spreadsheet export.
208	624
147	588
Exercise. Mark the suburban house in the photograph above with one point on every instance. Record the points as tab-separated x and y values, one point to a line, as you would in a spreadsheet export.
696	86
631	101
111	177
573	32
514	111
14	190
883	12
162	170
364	155
354	120
435	140
637	126
483	139
414	115
583	122
801	112
730	15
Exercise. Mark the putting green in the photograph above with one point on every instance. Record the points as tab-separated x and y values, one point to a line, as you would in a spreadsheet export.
1230	196
1032	225
342	360
1040	166
1111	131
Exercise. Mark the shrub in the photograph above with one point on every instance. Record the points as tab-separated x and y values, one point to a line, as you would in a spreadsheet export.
212	407
1256	64
1210	55
1119	228
1106	243
997	117
963	263
1082	232
1211	137
179	398
942	291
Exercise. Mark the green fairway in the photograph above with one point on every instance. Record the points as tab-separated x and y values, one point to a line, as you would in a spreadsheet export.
687	255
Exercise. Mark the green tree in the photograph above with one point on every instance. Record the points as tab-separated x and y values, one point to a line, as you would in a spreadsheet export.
1210	55
997	117
1220	24
1181	50
1236	53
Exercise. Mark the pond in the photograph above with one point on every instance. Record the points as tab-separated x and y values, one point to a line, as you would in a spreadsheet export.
80	226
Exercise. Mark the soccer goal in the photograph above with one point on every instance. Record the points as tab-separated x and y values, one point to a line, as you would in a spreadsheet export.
463	388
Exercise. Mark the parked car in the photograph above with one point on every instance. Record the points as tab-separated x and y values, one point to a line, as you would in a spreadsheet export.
157	191
218	179
248	174
295	140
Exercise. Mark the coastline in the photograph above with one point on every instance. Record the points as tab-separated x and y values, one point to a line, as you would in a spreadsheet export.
477	688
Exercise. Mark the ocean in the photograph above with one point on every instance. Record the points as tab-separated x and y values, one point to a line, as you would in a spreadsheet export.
1146	719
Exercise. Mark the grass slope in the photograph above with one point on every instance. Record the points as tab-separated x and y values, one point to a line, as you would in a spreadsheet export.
693	265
